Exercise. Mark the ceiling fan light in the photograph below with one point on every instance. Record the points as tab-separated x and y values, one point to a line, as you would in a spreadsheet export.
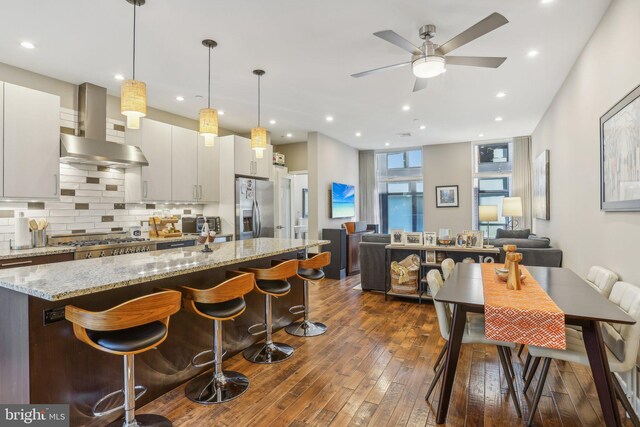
133	102
259	141
426	67
208	126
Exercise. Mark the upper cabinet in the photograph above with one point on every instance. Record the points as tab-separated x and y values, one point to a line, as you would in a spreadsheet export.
31	143
181	168
247	164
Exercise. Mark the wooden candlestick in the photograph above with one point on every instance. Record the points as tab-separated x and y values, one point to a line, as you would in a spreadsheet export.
514	281
508	249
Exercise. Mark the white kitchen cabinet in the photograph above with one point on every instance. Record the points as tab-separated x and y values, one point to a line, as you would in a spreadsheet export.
208	172
245	161
264	165
155	143
31	143
184	166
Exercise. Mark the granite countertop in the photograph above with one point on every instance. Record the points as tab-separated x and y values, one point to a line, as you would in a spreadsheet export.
69	279
25	253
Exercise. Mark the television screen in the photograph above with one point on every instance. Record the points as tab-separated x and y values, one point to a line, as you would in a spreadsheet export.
343	200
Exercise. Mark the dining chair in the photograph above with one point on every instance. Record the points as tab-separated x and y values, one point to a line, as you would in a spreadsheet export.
621	344
474	334
447	267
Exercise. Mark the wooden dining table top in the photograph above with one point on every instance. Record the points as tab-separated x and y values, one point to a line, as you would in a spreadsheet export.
576	298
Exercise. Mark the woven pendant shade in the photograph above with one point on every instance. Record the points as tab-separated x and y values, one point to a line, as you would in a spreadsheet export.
133	102
208	125
259	141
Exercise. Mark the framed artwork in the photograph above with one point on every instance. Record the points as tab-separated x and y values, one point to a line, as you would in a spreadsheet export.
430	257
461	240
430	238
305	203
397	236
620	155
447	196
413	239
541	186
475	238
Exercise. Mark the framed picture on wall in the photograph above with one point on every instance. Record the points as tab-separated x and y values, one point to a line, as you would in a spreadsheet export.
305	203
397	236
541	186
619	155
447	196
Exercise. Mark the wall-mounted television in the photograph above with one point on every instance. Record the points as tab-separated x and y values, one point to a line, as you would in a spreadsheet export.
343	200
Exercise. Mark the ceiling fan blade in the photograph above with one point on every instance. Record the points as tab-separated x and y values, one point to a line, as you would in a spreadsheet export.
488	24
420	84
376	70
396	39
476	61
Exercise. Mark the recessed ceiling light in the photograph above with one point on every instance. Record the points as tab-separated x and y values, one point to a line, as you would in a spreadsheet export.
221	112
118	77
358	134
387	144
500	95
423	127
546	1
289	135
406	108
532	53
273	122
27	45
329	118
179	98
498	119
481	135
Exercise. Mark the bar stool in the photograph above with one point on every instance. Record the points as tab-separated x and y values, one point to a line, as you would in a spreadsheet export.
127	329
309	270
224	301
272	282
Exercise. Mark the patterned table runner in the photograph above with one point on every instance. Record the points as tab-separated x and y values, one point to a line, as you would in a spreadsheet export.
527	316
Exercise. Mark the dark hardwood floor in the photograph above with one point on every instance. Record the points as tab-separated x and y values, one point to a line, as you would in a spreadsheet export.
373	367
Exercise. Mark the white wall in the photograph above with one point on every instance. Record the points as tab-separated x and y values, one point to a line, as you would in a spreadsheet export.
442	165
607	69
328	161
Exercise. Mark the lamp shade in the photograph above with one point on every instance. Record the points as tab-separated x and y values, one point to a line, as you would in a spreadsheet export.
133	102
488	213
512	206
208	125
259	141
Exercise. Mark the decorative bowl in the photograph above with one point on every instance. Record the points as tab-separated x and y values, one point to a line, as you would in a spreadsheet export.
445	242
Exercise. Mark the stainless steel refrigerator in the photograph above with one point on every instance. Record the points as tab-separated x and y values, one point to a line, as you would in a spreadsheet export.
254	208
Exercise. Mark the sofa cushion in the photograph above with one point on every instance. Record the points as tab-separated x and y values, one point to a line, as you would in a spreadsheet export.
537	242
376	238
501	233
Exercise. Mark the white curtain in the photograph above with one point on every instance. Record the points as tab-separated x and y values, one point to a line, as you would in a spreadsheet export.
368	188
521	185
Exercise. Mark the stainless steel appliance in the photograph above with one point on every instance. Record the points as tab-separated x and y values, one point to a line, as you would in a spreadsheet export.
194	224
254	208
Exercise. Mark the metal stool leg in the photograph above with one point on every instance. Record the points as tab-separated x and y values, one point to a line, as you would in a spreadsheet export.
306	328
269	351
217	386
130	419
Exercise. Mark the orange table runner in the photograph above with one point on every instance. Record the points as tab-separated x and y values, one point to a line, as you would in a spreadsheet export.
527	316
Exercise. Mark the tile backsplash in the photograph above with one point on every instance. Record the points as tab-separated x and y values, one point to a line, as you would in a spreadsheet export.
91	197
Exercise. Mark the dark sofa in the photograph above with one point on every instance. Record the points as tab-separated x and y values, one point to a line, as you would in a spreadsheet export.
535	250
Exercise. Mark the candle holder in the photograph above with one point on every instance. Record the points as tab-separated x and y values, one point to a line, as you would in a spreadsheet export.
508	249
514	279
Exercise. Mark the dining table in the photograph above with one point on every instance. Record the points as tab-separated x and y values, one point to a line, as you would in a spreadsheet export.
581	304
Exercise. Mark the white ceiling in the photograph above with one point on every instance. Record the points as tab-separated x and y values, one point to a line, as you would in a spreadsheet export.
309	49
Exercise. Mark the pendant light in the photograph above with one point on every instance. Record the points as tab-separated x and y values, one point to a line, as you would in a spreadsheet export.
133	93
209	116
259	134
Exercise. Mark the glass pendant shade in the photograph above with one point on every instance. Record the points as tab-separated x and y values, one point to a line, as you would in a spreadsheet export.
259	141
133	102
208	125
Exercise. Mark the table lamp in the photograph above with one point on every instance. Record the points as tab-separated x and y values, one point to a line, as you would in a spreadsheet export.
512	207
488	213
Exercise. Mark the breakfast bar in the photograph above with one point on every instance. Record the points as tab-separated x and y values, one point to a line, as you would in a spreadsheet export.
43	362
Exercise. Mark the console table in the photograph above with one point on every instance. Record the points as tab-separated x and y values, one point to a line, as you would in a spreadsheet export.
454	252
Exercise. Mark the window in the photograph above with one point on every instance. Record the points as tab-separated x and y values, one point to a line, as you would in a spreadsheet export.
399	177
491	182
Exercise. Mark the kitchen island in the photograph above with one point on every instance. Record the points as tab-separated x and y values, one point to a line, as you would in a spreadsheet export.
43	362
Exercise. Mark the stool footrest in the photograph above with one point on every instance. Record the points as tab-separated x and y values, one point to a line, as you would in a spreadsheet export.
139	390
297	309
195	364
251	329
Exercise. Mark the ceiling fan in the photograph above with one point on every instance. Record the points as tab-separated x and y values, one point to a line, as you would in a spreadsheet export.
429	59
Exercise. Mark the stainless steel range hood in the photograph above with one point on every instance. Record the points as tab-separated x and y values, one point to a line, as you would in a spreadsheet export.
91	146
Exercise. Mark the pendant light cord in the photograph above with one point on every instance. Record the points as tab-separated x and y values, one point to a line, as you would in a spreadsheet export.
209	100
134	41
259	100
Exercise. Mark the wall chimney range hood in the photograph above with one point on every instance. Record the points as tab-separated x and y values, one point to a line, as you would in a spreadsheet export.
91	146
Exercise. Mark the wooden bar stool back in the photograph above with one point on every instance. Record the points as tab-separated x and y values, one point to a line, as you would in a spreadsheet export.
127	329
272	282
309	270
224	301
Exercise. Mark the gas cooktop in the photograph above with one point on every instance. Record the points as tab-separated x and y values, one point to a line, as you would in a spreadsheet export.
94	245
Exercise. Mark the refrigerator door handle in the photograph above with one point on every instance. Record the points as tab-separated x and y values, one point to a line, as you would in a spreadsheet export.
259	219
254	215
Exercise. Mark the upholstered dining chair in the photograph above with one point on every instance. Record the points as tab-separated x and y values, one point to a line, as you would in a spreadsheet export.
447	268
621	343
474	334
